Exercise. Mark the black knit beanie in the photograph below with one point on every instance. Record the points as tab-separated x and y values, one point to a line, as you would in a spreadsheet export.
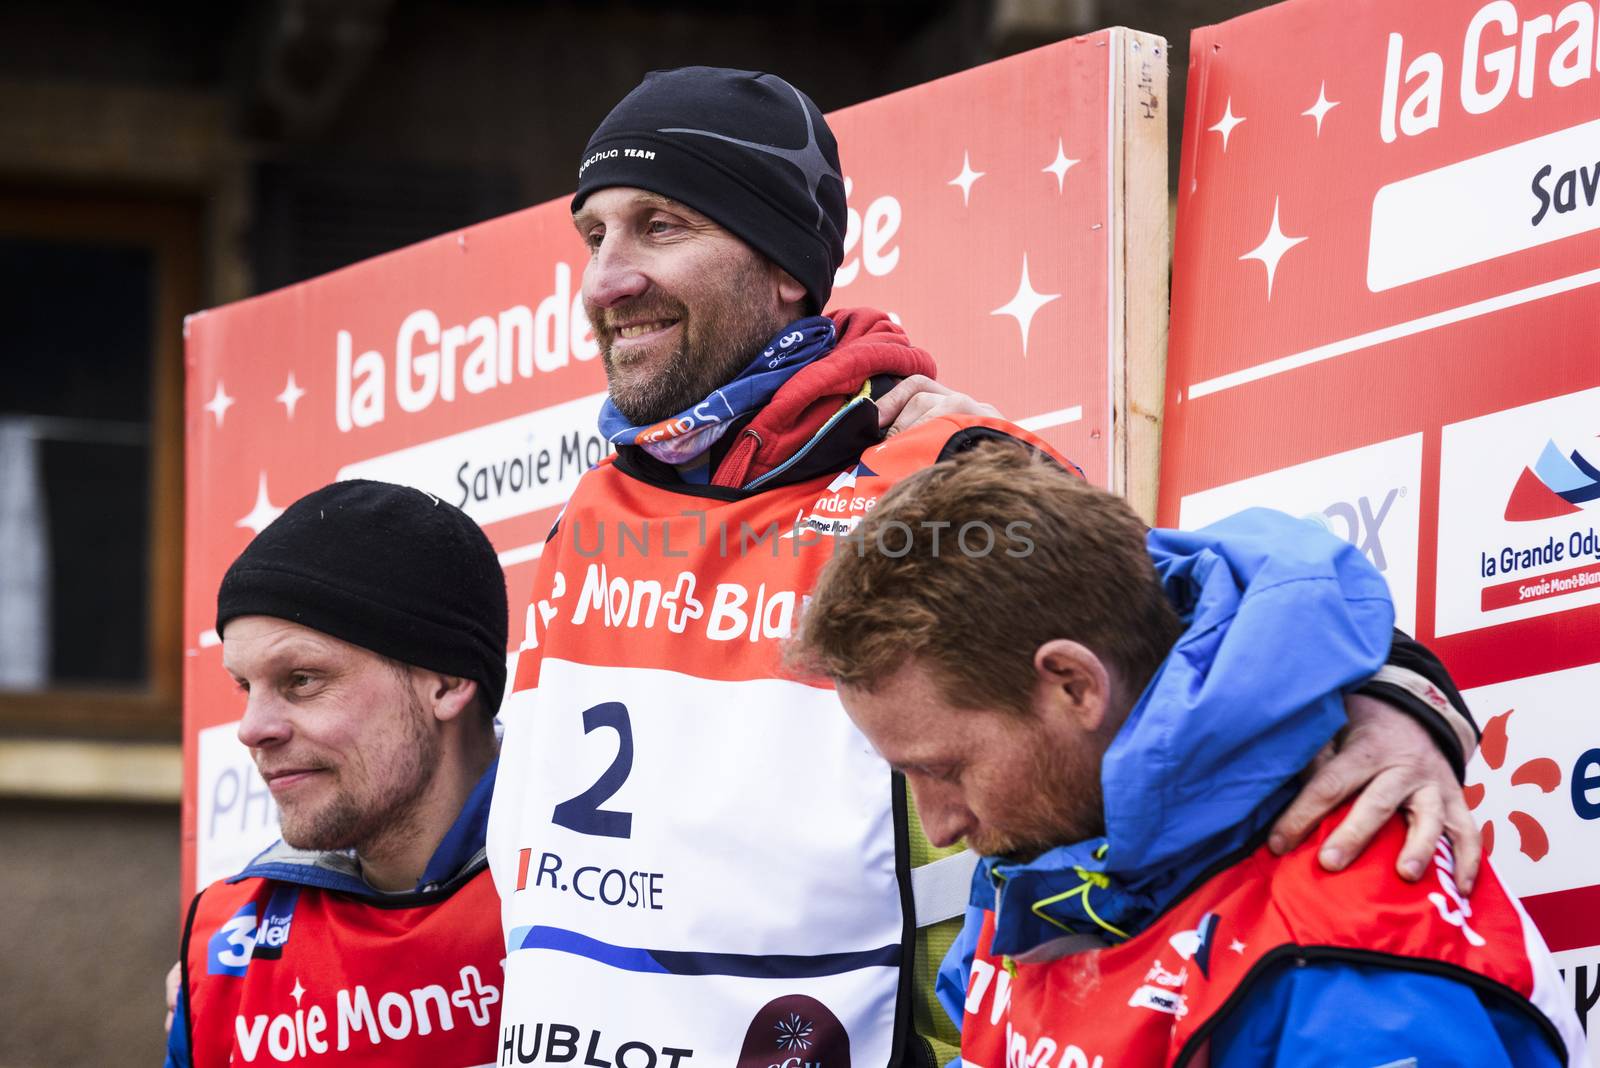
388	568
747	150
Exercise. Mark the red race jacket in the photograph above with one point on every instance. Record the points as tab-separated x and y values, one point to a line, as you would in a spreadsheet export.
276	973
1156	999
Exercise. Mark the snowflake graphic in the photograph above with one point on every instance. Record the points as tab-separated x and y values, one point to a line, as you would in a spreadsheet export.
793	1033
1540	771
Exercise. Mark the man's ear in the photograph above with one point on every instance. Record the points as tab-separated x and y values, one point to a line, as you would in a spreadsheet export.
446	696
1070	680
790	291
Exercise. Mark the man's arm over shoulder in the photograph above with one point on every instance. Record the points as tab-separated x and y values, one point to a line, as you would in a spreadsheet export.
1415	682
1337	1015
916	399
1405	748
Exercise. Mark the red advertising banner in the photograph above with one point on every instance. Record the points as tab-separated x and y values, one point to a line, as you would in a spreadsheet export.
1384	306
989	214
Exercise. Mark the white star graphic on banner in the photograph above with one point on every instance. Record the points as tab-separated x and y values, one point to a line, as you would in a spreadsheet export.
1226	124
291	395
1236	946
1025	304
1272	248
298	992
1321	107
219	403
1060	166
264	511
966	178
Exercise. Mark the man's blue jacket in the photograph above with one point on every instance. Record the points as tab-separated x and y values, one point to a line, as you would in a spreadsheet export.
1281	619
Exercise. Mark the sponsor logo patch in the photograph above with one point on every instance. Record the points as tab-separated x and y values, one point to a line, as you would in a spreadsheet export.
273	933
1518	539
228	951
1160	999
795	1031
1195	945
840	507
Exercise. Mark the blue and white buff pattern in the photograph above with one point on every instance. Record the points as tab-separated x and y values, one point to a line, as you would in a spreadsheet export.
686	437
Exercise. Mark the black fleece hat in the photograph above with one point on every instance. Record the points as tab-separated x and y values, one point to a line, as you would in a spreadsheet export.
388	568
746	149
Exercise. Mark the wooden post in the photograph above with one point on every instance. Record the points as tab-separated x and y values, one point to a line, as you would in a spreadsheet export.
1140	244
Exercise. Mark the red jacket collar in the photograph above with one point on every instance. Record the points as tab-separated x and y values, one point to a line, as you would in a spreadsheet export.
869	344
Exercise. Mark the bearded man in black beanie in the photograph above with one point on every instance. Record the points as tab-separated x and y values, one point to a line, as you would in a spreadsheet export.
700	861
366	630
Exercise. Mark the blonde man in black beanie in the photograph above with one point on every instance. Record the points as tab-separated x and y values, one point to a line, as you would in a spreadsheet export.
366	630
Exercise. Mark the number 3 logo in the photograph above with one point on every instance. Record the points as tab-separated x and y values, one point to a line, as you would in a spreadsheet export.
583	813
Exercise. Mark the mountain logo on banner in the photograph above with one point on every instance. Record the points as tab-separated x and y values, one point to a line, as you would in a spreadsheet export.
795	1031
1540	772
1557	484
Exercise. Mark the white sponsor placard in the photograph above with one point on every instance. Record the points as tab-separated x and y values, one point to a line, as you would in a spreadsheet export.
609	834
1501	202
237	817
1517	536
599	850
1580	972
551	1016
510	468
1535	778
1367	496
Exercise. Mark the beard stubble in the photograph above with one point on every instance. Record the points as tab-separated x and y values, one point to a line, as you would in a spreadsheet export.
1064	804
380	805
720	335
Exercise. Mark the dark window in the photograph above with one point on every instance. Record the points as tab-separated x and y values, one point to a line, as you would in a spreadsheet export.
93	290
75	446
